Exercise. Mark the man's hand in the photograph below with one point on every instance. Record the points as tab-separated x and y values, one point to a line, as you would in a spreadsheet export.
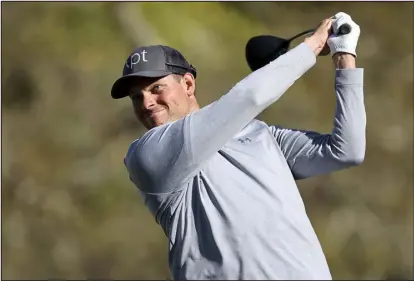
346	43
343	47
317	41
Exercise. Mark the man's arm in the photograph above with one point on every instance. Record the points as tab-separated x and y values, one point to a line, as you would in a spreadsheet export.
310	153
168	156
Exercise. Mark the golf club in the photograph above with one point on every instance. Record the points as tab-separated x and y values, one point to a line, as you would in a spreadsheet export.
262	49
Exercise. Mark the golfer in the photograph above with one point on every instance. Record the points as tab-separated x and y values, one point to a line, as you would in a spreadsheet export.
221	183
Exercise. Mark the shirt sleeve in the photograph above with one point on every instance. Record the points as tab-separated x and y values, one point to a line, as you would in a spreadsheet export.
168	156
310	153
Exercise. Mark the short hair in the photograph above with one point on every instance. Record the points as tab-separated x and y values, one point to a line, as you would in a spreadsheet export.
178	77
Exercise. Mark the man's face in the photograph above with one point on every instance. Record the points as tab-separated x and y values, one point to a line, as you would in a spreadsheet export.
158	101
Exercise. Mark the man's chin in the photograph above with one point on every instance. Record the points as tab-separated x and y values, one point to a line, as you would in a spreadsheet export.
152	123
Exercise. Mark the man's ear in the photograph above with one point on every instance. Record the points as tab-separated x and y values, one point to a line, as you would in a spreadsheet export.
189	84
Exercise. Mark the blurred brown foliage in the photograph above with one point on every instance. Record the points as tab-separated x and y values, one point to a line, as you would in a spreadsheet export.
68	207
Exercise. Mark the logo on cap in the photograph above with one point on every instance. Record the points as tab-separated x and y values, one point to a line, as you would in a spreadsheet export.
136	58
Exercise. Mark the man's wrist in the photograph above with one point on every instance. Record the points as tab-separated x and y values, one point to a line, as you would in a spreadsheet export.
314	44
343	60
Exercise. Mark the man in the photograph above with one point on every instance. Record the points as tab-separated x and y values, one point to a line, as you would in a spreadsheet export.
221	183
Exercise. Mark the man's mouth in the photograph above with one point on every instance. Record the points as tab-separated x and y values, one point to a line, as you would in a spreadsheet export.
154	113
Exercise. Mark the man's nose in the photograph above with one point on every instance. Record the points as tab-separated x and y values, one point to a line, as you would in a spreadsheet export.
148	101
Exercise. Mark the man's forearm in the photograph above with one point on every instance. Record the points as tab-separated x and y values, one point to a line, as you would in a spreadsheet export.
344	61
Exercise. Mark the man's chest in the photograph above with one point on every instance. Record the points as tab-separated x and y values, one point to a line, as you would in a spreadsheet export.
250	170
254	145
251	159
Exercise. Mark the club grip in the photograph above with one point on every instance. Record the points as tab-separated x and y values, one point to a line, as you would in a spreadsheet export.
344	29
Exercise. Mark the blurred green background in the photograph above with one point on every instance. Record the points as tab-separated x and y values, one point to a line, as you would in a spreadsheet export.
68	208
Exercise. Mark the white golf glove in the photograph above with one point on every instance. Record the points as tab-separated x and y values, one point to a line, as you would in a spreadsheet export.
346	43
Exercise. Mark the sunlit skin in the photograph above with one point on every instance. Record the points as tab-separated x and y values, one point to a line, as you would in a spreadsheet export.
158	101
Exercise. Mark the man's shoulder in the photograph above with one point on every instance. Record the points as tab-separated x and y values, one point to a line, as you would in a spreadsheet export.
256	124
139	145
260	127
145	137
134	145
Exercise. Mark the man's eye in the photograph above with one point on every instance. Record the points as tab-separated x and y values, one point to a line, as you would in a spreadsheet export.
157	88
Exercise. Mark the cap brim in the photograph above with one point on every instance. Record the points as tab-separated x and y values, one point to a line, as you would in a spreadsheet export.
120	89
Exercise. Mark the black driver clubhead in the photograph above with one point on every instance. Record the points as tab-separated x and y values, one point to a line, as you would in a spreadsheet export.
260	50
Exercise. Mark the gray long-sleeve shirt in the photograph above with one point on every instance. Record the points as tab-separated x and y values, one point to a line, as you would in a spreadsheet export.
222	184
